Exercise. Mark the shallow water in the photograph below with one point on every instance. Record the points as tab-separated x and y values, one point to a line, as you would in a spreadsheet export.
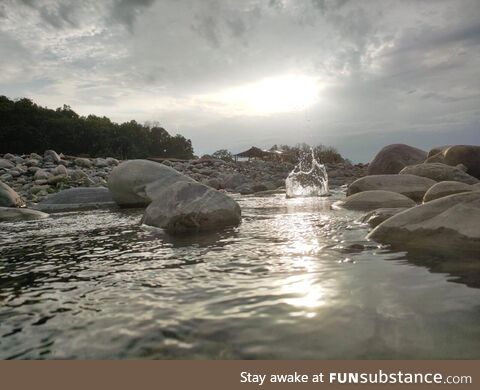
296	280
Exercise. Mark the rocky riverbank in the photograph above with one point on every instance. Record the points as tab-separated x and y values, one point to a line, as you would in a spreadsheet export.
422	201
34	177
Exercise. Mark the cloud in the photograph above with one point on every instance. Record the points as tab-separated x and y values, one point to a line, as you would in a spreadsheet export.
387	71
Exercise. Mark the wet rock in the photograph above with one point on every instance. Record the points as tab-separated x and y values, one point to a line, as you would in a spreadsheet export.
371	200
439	172
76	199
411	186
445	188
8	197
128	181
445	225
13	214
377	216
188	206
393	158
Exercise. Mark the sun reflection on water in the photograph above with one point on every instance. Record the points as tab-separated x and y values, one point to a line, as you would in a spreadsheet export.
305	289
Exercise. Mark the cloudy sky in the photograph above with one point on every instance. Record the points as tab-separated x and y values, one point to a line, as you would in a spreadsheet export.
235	73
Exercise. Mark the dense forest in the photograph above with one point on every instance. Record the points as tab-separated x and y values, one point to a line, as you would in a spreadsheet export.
26	127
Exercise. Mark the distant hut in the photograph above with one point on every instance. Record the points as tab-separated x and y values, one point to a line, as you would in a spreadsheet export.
257	153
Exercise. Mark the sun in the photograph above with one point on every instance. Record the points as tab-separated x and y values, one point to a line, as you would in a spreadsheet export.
271	95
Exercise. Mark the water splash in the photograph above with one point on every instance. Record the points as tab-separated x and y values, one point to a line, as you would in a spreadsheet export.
308	178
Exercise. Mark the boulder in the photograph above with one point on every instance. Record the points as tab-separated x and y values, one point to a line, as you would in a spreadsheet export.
112	161
127	181
77	174
439	149
100	162
447	226
12	213
476	187
411	186
234	181
41	175
468	155
188	207
9	156
439	172
393	158
214	183
52	156
371	200
83	162
77	198
60	170
445	188
6	164
9	198
377	216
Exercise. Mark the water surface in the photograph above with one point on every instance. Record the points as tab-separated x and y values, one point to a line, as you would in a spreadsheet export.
296	280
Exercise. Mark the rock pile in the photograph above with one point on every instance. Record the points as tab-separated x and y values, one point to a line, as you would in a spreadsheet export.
445	184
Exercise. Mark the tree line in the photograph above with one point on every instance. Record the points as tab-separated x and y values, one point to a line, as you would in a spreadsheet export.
26	127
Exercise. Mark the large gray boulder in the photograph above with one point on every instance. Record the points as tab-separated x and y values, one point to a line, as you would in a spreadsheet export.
77	199
447	225
439	172
189	206
13	214
377	216
9	198
127	181
371	200
411	186
468	155
393	158
445	188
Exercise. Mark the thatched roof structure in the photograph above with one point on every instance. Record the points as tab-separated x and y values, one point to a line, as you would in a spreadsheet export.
255	152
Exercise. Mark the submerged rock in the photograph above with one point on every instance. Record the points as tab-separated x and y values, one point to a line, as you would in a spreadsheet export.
371	200
12	213
393	158
411	186
445	225
439	172
189	206
445	188
8	197
76	199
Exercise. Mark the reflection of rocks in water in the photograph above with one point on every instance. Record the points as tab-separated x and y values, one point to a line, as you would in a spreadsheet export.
308	178
462	269
211	240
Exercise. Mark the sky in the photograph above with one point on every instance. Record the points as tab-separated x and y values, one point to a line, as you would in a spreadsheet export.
356	75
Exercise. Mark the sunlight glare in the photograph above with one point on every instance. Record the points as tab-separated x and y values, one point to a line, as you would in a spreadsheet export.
270	95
